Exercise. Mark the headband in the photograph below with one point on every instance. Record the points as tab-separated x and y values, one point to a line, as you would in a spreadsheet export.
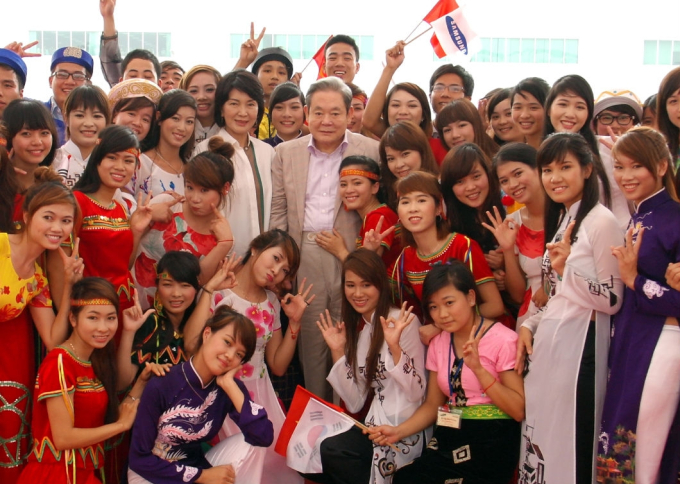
90	302
362	97
367	174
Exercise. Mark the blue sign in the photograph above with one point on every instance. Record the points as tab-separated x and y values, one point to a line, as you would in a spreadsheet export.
456	35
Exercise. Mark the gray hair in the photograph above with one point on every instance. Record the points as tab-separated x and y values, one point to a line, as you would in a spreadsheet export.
334	84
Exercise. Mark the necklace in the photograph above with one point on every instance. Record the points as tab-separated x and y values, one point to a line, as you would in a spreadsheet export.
191	386
75	353
178	173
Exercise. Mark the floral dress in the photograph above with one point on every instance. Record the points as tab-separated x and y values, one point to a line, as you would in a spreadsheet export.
16	380
254	374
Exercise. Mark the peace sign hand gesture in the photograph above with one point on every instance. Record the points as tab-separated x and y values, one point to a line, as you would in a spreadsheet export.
294	305
374	237
134	317
471	348
20	49
249	48
392	328
505	231
141	219
559	251
627	257
73	264
225	277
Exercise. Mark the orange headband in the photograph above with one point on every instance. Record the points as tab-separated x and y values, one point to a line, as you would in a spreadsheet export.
134	151
90	302
367	174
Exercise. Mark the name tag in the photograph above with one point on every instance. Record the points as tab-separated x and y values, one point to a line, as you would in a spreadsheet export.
449	417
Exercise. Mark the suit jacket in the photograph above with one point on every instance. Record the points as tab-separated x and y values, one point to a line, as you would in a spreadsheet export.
289	181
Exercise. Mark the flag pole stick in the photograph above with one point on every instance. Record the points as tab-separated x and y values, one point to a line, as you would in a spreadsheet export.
415	28
363	427
310	60
419	35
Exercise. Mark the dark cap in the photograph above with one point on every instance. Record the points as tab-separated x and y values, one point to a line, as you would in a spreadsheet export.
273	53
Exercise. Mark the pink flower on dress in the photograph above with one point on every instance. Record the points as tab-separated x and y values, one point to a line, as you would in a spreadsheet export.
218	298
254	313
267	316
247	371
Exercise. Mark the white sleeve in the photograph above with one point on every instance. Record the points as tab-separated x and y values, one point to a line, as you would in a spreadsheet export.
409	372
352	392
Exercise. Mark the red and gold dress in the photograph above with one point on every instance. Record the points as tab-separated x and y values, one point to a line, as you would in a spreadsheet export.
106	245
63	373
17	361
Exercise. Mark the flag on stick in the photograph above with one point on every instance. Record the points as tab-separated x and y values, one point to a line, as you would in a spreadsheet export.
320	59
309	422
452	33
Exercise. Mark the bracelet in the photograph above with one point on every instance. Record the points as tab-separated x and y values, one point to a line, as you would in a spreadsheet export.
225	240
133	398
492	384
206	290
294	334
109	37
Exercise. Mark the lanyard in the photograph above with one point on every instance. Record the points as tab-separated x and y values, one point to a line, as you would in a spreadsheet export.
455	372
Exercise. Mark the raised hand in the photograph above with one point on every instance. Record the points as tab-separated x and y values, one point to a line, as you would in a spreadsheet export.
627	256
225	276
334	335
219	226
73	264
374	237
107	8
392	328
250	47
141	219
162	211
505	231
154	369
471	348
611	141
20	49
227	378
134	317
294	305
297	77
559	251
394	56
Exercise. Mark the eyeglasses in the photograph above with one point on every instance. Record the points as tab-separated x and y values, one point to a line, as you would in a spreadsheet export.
622	119
77	76
452	88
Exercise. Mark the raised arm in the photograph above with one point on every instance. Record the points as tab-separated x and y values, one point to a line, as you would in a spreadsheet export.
372	119
109	50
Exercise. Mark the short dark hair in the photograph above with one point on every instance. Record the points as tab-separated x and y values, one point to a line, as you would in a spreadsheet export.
343	39
32	115
535	86
20	80
465	76
285	92
451	273
241	80
244	329
144	55
171	65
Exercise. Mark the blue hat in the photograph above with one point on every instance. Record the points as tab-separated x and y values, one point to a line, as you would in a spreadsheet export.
14	62
74	55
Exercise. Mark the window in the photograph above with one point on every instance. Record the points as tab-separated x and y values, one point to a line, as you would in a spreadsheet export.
528	51
661	52
158	43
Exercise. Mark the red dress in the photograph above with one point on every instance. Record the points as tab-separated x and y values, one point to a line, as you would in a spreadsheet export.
409	270
106	245
17	360
391	244
438	150
62	371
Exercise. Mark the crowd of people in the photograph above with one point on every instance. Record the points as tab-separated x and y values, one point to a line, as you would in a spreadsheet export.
490	291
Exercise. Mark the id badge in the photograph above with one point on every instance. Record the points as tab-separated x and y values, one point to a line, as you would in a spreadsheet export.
449	417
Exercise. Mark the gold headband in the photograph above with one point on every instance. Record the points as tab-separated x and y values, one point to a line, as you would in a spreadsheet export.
90	302
367	174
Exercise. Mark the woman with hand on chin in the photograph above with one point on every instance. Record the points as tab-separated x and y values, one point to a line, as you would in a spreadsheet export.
239	106
185	409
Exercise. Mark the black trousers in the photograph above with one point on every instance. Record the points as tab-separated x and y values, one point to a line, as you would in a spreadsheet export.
585	409
346	459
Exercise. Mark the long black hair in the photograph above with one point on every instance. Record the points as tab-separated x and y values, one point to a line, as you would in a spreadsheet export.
112	139
170	103
555	148
578	86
